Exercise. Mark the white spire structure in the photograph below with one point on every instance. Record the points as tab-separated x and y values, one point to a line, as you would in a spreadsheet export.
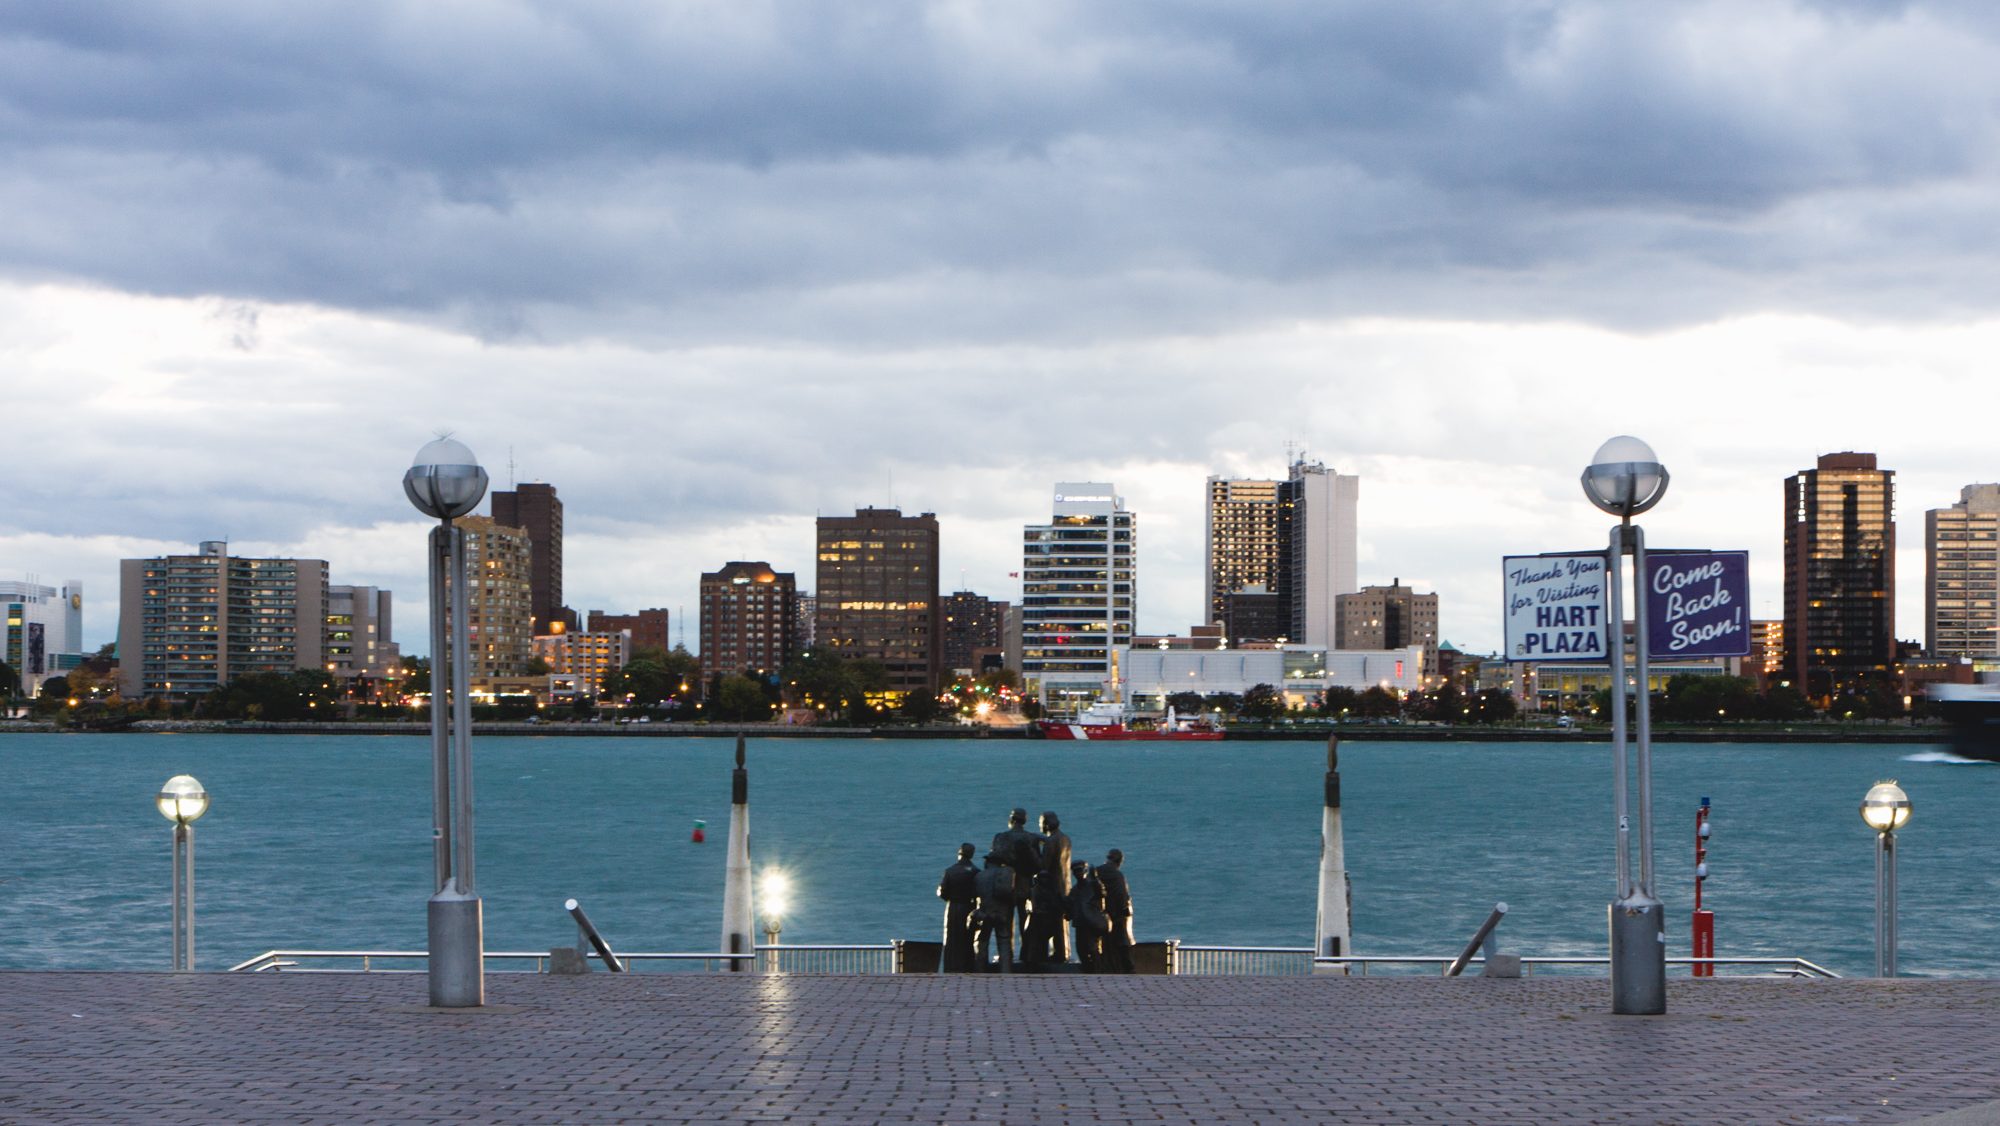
1333	933
739	918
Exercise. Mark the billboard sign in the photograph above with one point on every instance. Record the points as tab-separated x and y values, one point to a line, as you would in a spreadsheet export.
1555	608
1697	604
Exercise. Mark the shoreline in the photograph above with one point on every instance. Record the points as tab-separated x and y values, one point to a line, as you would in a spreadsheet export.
1358	733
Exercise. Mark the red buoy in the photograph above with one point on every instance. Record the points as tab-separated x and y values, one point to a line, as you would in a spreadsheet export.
699	835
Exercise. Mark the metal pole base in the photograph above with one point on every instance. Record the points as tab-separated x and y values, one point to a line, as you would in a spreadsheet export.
1638	956
457	966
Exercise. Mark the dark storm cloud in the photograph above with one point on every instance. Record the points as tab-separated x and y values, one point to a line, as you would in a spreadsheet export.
912	172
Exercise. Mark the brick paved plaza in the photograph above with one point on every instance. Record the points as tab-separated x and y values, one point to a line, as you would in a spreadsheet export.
715	1048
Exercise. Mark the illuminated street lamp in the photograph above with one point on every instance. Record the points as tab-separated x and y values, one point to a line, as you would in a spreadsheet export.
1885	809
1624	479
183	802
446	482
772	895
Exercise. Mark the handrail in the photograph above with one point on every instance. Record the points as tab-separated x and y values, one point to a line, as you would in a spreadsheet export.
286	959
1794	966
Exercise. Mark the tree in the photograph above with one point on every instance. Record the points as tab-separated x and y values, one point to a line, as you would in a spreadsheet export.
1263	703
1494	705
918	707
1378	703
1338	700
416	675
10	683
536	666
741	699
1185	703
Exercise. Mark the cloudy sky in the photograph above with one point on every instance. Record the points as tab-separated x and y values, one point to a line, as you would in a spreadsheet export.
715	267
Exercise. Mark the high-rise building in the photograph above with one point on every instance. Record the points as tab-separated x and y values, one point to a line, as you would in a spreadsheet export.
1321	545
534	508
188	624
1961	564
806	609
1246	545
1079	594
1840	573
1255	614
647	627
1766	662
44	631
587	656
877	594
500	589
1389	617
973	624
747	612
358	641
1295	539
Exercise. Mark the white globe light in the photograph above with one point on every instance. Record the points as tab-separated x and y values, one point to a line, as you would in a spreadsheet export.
445	480
1625	477
182	800
1886	808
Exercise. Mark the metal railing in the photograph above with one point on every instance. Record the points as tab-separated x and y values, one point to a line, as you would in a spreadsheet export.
1781	967
792	959
1256	961
886	958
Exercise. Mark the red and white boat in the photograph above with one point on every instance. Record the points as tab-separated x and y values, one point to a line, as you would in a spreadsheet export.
1106	721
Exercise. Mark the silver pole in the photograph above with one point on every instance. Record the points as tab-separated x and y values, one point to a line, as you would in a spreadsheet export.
440	724
181	897
187	961
1885	904
1637	922
461	705
1644	703
457	962
1614	639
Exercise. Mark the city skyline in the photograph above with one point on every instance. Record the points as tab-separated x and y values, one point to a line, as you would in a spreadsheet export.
713	272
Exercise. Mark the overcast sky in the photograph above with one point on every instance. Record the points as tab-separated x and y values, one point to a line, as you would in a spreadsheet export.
713	268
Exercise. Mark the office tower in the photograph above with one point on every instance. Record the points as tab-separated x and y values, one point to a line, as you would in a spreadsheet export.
1245	546
746	619
1254	613
1840	573
585	656
1389	617
973	628
188	624
878	594
1079	594
647	627
1295	539
534	508
501	590
1766	662
1320	544
44	631
358	640
806	609
1961	563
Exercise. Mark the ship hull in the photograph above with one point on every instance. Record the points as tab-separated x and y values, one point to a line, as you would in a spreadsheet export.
1119	733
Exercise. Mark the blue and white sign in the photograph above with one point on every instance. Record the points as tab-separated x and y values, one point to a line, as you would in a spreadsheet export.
1697	604
1555	607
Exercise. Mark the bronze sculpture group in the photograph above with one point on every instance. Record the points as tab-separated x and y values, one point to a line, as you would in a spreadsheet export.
1030	887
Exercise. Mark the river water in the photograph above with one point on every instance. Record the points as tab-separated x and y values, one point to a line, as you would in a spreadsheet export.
324	842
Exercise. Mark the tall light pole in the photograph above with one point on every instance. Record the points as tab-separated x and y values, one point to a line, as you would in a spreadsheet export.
1624	479
183	801
447	482
1886	808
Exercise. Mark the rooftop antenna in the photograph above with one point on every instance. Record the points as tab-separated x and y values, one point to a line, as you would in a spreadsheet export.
510	469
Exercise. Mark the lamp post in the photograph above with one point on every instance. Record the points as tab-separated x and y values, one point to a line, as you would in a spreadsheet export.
772	895
183	801
1624	479
1886	808
446	482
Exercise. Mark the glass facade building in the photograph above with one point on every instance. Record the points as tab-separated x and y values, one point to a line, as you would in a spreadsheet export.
1840	574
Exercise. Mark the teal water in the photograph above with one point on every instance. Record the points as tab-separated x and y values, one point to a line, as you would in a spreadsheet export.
324	842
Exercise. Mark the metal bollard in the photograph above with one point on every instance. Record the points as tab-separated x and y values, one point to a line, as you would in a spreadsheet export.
597	942
1459	963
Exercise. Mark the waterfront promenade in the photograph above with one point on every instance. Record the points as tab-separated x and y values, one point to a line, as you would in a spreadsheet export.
82	1047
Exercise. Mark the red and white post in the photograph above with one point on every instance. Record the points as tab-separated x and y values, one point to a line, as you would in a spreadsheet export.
1704	919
